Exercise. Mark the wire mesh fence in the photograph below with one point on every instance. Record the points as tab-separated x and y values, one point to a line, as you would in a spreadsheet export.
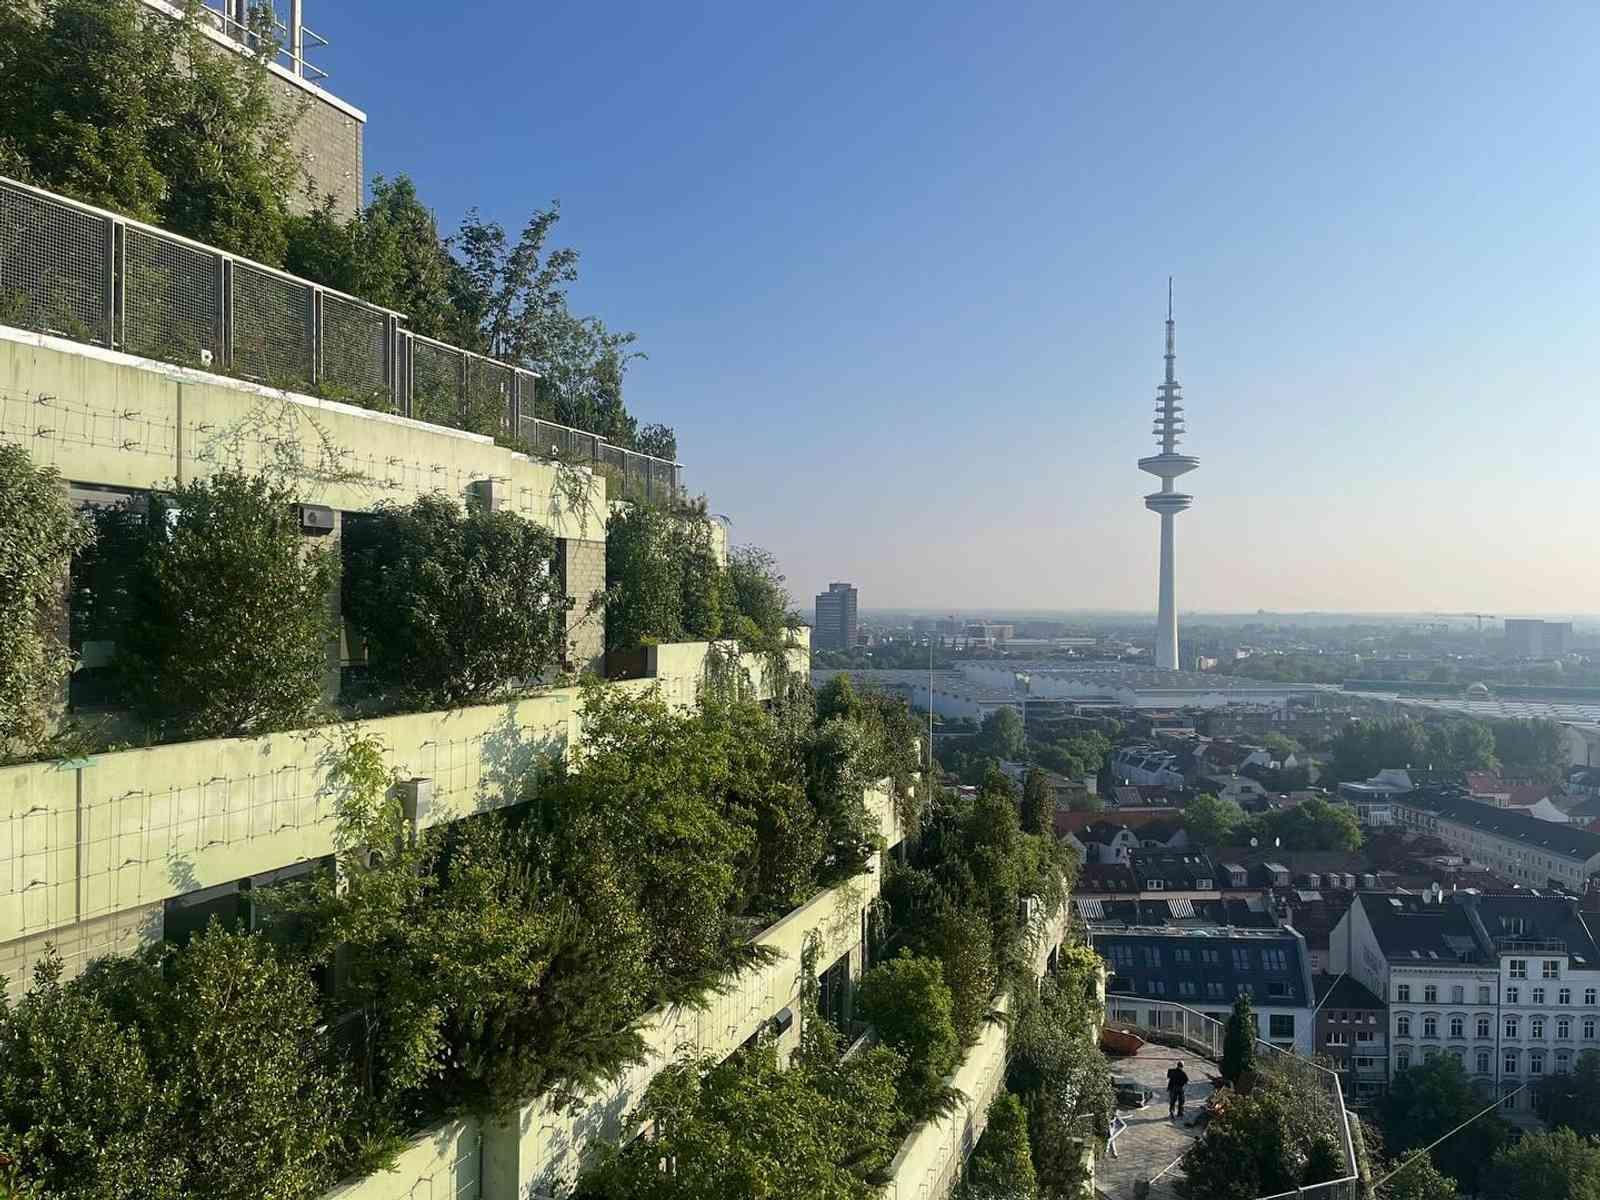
171	309
272	328
354	353
78	272
55	268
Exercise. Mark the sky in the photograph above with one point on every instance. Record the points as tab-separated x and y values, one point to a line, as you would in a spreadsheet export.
900	273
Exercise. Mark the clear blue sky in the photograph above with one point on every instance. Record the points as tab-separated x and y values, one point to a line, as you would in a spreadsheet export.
900	271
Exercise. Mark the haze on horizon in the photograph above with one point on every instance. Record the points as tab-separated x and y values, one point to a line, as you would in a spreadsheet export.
900	276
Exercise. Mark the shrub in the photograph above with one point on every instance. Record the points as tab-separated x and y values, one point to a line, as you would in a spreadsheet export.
38	534
908	1003
1239	1042
455	606
217	605
663	578
758	605
1001	1166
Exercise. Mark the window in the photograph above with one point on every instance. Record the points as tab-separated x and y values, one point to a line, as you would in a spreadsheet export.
1510	1064
1588	1029
1241	958
1563	1061
1536	1027
1564	996
1182	955
1153	885
1483	1027
1512	995
1274	960
1430	1027
1483	994
1563	1028
1338	1039
1430	994
1402	1060
1458	994
1483	1062
1158	987
1211	958
1214	989
1402	1026
1458	1027
1151	955
1552	968
1588	996
1121	957
1281	1025
1512	1026
1364	1064
1366	1036
1538	995
1402	993
1519	968
1186	987
1536	1063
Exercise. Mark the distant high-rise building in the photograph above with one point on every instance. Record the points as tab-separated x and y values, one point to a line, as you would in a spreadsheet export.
1168	465
835	627
1537	639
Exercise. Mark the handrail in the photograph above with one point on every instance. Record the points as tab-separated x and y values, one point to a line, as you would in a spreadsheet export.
1346	1185
93	275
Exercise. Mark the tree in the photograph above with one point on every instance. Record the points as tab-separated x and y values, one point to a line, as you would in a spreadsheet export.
1461	746
1280	745
1363	748
911	1008
1001	734
455	607
1419	1179
1210	821
1001	1166
1281	1136
1314	825
1546	1166
663	581
1425	1103
1038	803
147	117
759	606
1572	1098
218	607
1239	1042
1532	748
39	531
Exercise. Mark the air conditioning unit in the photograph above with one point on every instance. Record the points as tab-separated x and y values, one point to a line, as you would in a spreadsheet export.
416	802
316	520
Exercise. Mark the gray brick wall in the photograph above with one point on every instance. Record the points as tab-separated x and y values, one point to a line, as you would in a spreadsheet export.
582	568
329	140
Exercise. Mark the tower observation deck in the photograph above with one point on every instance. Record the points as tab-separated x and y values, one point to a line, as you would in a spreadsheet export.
1168	502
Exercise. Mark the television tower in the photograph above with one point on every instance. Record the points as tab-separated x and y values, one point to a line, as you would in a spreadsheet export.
1168	465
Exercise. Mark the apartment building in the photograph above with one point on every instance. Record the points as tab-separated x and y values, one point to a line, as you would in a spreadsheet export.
1352	1032
1512	844
1507	985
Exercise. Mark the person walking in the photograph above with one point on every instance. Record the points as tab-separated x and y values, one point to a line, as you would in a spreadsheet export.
1177	1080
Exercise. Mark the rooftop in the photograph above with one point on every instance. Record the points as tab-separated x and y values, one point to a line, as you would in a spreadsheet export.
1564	840
1343	991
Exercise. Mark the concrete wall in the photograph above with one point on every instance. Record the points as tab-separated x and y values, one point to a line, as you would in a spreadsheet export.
100	416
445	1163
90	849
581	563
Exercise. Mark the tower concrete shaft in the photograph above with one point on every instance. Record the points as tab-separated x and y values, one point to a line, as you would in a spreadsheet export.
1168	502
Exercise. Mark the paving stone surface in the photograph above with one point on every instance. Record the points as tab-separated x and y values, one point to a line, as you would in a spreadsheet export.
1152	1143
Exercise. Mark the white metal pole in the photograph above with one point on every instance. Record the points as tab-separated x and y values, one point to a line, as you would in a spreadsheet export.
297	44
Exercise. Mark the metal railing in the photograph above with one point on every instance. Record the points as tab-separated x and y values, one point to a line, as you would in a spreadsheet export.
1165	1020
80	272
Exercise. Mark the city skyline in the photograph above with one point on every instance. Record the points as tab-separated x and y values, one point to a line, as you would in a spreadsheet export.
849	274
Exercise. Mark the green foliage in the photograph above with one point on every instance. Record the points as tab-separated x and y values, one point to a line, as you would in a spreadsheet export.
1001	735
141	114
1546	1166
1427	1101
1419	1179
1280	745
1533	748
746	1129
1312	825
1210	821
911	1008
1572	1098
38	534
455	607
758	605
1239	1042
663	579
177	1074
218	607
1038	803
1001	1166
1284	1134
